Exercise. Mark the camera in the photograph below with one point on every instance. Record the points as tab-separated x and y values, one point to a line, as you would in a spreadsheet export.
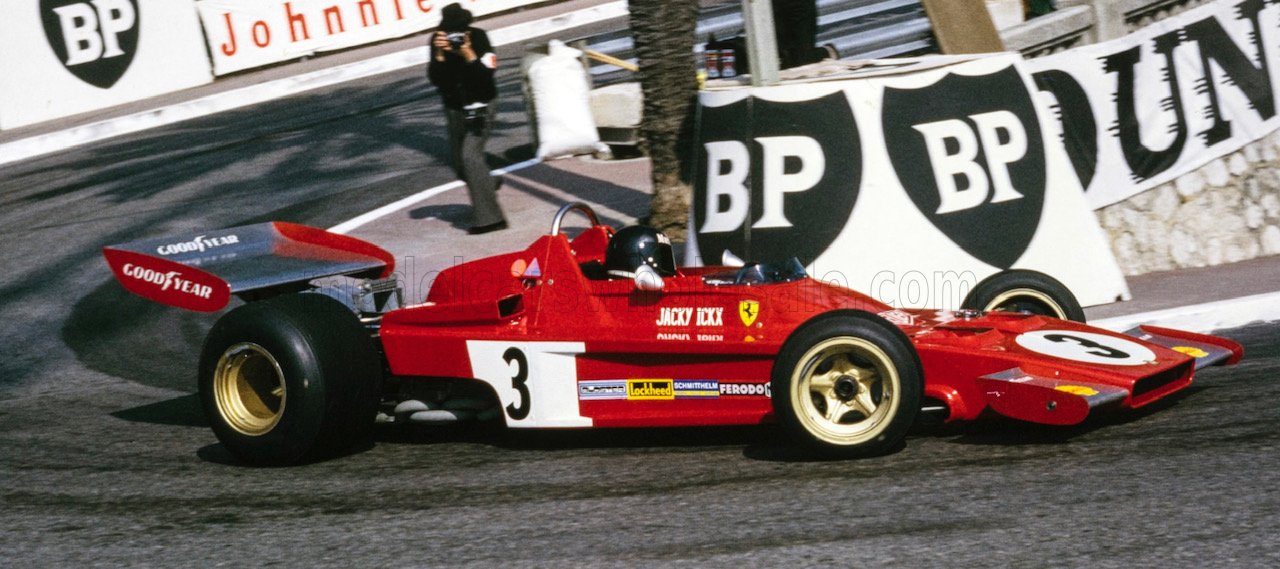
456	39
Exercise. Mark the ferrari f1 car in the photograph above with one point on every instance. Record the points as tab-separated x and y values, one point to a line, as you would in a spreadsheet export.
603	330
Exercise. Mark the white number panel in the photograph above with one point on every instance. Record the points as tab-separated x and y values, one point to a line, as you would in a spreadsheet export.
1086	347
536	382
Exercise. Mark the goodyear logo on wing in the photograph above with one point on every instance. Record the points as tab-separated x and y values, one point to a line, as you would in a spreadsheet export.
650	389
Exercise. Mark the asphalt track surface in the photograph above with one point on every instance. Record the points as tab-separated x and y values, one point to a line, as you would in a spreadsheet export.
106	461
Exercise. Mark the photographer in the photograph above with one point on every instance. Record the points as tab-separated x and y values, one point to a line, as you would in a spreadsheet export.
462	67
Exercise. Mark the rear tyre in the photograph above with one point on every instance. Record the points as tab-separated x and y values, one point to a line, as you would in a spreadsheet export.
848	385
289	380
1025	291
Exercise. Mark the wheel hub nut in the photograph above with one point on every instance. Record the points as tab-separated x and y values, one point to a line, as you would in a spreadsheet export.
846	387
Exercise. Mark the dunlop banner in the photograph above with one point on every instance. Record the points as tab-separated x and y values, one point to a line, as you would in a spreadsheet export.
1141	110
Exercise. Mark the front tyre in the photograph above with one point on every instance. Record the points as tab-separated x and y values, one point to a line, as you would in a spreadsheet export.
289	380
1020	290
848	385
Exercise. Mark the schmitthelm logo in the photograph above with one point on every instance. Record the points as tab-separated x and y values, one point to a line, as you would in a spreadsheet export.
94	39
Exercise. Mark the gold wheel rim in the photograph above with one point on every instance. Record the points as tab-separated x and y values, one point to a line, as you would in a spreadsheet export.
1004	301
845	390
249	389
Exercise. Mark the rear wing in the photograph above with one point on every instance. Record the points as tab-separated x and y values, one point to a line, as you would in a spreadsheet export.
200	272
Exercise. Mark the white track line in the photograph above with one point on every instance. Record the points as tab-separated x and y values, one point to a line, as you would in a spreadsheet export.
426	194
1206	317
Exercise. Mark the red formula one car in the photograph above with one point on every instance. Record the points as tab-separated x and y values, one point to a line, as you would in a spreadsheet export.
603	330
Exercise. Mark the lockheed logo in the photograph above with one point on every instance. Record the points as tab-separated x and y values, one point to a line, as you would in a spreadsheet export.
94	39
969	152
778	179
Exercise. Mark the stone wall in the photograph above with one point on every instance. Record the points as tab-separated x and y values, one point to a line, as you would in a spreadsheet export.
1227	211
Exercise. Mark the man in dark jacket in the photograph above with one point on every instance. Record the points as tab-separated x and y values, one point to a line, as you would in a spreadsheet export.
461	67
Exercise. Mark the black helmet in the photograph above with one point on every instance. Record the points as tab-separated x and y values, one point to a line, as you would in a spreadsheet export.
638	245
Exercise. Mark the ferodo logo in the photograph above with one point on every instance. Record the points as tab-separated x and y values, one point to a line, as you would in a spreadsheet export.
94	39
170	280
746	389
776	179
969	152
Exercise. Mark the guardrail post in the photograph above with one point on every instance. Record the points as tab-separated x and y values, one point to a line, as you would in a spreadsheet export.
1108	17
762	43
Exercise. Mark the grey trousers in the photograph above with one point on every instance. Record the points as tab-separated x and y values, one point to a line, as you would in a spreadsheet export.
469	162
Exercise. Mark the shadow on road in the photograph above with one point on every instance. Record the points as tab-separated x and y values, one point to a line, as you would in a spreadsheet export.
457	215
763	443
126	336
180	412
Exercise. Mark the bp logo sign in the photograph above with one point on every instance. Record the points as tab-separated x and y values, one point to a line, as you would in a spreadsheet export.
94	39
969	152
777	179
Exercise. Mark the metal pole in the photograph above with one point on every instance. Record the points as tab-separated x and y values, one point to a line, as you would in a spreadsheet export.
762	44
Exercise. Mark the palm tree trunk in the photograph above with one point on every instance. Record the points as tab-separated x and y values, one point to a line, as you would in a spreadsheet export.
664	33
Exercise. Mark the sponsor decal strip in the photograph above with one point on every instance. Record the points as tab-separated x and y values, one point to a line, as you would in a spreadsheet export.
667	389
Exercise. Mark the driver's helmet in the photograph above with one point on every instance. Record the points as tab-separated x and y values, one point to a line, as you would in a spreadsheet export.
638	245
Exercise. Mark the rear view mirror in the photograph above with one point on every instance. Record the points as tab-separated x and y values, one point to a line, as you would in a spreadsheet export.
728	259
648	279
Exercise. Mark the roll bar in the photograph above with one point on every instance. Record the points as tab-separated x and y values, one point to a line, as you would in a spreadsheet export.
566	208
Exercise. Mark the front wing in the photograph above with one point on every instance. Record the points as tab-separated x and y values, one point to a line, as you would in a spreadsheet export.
1068	401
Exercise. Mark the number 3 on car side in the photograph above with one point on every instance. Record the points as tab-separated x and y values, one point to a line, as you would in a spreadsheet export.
536	382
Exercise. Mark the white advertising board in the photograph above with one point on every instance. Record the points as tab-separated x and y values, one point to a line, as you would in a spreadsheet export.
912	187
62	57
243	34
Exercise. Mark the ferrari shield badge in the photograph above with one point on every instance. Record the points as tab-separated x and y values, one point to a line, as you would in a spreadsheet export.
747	311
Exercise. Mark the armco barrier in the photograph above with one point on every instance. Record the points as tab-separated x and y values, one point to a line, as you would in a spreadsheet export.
62	57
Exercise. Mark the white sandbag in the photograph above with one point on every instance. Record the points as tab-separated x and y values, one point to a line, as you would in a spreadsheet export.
561	103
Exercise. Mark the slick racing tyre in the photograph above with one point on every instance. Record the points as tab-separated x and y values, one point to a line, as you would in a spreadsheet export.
289	380
847	385
1025	291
